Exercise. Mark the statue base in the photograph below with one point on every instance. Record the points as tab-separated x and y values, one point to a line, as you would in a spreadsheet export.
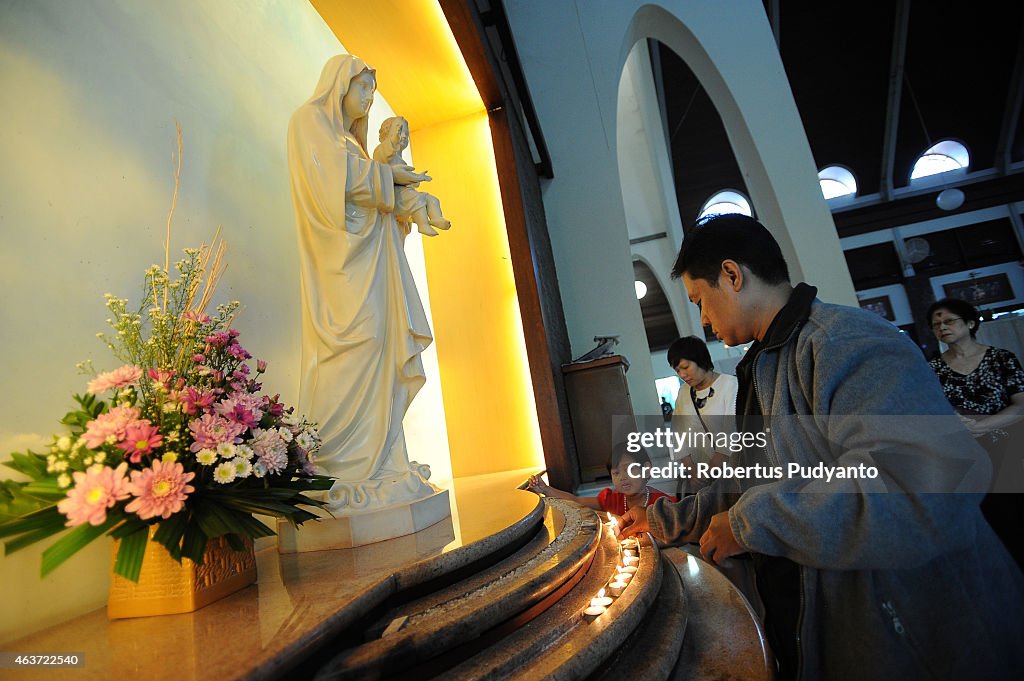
367	527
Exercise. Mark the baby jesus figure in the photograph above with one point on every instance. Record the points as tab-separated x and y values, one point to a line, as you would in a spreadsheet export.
414	206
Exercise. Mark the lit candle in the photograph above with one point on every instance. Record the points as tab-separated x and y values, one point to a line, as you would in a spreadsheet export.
628	553
617	587
600	601
594	610
630	569
630	560
622	575
628	543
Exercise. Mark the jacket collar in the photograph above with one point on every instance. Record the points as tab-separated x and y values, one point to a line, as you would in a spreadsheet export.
786	323
791	317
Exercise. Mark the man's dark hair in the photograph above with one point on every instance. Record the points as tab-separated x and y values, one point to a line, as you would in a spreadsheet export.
731	237
693	349
961	308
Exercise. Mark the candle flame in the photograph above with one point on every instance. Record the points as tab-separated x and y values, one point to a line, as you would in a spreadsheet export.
600	594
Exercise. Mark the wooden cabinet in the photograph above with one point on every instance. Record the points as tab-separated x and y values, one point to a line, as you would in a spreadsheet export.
598	393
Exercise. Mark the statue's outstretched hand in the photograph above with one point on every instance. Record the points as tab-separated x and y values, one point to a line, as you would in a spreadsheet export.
408	175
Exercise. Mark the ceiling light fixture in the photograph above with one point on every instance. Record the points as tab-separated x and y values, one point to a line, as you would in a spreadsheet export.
950	199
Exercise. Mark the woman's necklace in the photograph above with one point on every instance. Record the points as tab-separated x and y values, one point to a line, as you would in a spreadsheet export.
647	498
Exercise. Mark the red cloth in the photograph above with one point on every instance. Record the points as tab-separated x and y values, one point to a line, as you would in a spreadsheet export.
614	502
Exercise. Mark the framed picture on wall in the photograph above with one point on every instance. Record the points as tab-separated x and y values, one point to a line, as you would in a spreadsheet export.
881	306
982	290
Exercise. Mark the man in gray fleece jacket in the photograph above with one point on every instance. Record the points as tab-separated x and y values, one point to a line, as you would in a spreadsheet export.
887	569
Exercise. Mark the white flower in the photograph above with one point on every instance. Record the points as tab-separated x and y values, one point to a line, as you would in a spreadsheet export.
224	473
305	440
244	451
258	469
285	434
87	461
63	480
60	466
206	456
64	443
290	420
100	456
226	450
243	468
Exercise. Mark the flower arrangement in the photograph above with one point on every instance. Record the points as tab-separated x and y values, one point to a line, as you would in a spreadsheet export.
179	440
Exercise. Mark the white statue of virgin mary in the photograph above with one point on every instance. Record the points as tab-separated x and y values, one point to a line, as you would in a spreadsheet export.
363	326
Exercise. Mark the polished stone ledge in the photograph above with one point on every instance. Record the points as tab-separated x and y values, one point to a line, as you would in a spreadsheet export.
299	600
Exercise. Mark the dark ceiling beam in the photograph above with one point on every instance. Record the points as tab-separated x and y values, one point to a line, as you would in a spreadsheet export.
892	111
1014	102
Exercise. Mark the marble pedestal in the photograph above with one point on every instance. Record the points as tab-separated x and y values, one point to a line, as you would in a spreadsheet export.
374	525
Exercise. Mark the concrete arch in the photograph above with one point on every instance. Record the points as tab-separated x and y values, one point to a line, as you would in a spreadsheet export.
679	316
738	64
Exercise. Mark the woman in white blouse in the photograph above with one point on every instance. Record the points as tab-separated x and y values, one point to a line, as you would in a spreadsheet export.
706	403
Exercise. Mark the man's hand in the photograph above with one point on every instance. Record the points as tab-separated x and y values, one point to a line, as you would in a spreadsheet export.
718	542
634	522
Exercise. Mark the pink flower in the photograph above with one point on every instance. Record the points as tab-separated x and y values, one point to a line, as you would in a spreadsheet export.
196	316
261	366
115	422
194	401
241	408
271	450
141	437
118	378
95	490
161	377
160	490
219	339
210	430
238	352
273	406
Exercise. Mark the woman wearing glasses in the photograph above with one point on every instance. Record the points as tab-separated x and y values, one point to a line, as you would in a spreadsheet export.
985	385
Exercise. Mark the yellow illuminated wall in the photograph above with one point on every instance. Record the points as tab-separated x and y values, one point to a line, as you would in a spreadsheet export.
485	381
492	418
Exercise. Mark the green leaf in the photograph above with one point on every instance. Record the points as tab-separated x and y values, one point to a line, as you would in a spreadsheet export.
31	464
44	517
193	545
73	542
45	489
170	532
235	542
212	518
15	503
130	553
251	527
129	526
30	538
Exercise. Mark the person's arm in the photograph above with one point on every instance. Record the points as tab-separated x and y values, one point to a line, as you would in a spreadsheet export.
1013	413
539	486
866	393
682	521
